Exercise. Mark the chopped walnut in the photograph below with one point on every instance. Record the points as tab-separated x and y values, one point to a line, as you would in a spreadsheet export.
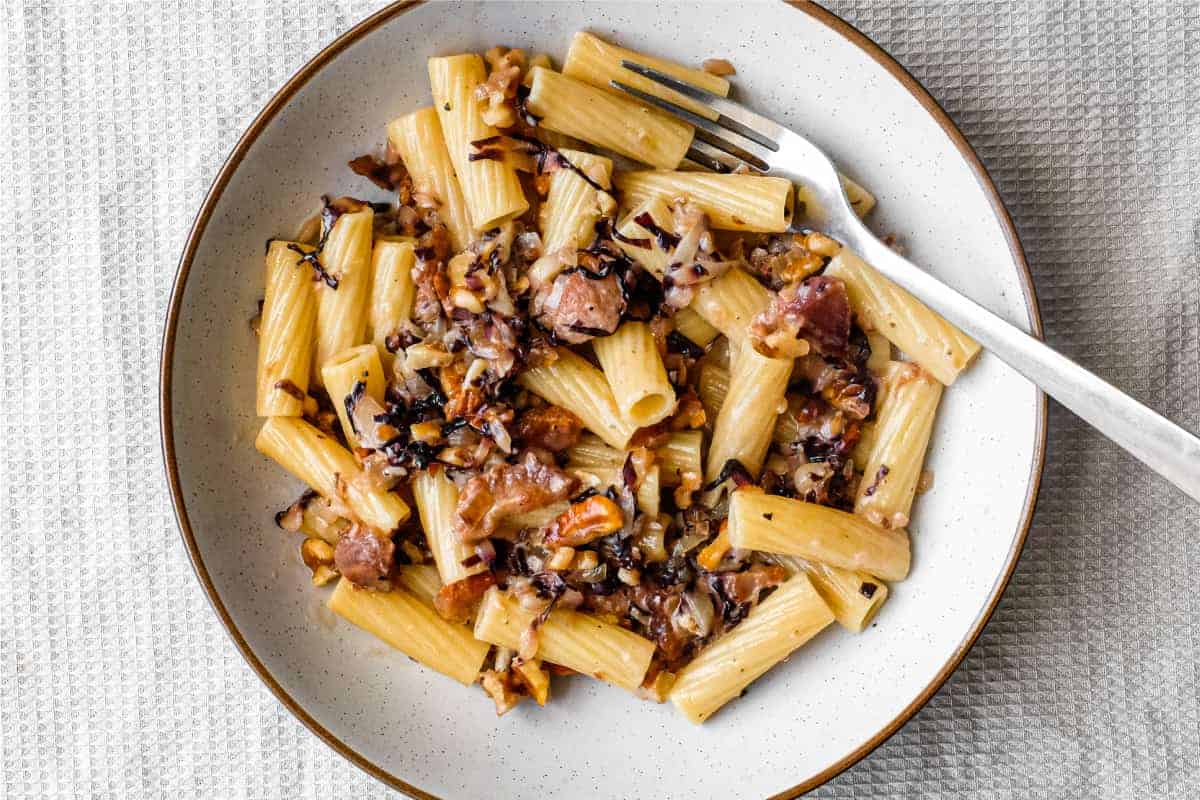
499	688
584	522
499	91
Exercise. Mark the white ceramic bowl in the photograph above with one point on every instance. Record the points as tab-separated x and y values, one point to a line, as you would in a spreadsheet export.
839	696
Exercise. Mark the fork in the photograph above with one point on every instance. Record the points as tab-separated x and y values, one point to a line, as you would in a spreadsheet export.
737	135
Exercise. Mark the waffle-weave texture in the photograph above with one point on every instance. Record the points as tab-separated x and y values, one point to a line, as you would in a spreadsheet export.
115	678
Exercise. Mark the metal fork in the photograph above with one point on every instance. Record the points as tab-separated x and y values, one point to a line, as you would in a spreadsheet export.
735	134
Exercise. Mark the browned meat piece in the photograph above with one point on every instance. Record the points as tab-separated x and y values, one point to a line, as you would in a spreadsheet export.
507	489
843	387
745	587
815	310
578	308
456	601
385	174
364	558
549	427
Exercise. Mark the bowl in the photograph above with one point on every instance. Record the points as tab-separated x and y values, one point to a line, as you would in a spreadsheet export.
808	719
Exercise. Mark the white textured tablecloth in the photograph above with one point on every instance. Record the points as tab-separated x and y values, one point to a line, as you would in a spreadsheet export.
116	680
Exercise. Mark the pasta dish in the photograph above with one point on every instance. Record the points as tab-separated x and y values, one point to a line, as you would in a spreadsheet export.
567	403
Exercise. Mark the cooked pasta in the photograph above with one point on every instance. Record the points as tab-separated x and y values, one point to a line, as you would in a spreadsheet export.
342	299
349	375
925	337
783	622
896	457
608	120
635	373
595	61
731	202
392	290
759	521
417	137
491	189
573	204
285	342
652	434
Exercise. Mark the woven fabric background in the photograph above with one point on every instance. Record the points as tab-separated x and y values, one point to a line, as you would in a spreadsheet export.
116	680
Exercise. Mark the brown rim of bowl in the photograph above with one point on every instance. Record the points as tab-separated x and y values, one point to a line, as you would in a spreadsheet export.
281	98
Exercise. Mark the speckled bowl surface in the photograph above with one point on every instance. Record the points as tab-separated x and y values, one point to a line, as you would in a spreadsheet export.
837	697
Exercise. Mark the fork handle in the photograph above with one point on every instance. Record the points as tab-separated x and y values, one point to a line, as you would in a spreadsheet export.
1153	439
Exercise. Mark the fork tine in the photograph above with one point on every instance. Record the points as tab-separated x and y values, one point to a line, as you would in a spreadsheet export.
733	115
708	156
730	141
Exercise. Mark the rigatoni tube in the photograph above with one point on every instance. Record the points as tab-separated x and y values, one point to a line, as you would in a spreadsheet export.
491	188
638	243
595	61
576	641
392	289
409	624
853	597
343	372
861	201
342	311
573	206
771	524
920	333
903	424
694	327
285	339
634	370
679	456
422	580
731	302
437	497
417	137
793	614
755	203
728	303
571	382
757	386
608	120
330	470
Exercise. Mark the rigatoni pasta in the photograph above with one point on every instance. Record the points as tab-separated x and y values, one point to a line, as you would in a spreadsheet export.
757	388
897	454
635	373
607	120
437	498
574	204
342	297
595	61
853	597
392	290
349	376
783	622
662	449
417	137
925	337
570	382
732	202
410	625
330	470
759	521
285	341
491	189
577	641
